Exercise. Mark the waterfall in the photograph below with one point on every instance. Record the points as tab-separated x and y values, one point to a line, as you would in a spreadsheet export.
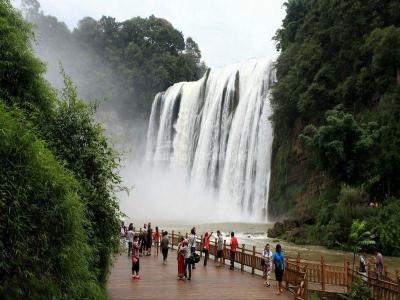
216	134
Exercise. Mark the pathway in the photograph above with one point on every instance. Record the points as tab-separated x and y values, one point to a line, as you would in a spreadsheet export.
159	282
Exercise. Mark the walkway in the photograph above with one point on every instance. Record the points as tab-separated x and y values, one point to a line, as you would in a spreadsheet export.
159	282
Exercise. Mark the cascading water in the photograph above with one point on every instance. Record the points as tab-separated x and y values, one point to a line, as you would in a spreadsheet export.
215	136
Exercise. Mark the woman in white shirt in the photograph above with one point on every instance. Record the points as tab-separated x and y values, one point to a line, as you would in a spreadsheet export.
267	266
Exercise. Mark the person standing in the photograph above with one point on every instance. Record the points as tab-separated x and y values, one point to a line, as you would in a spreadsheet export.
362	266
378	264
192	243
130	234
156	239
164	246
135	257
188	261
123	230
279	261
206	246
267	264
220	248
149	239
143	238
234	246
181	253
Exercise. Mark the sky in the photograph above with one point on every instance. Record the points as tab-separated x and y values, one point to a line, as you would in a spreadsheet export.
227	31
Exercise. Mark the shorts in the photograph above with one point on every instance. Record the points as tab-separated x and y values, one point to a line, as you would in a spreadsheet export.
219	254
279	275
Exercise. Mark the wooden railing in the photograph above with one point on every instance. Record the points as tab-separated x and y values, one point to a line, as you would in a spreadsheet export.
380	289
296	280
299	272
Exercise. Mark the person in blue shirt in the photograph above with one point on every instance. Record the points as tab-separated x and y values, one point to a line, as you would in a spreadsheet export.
279	262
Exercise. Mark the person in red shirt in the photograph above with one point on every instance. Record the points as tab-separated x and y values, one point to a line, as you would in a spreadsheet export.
206	246
234	245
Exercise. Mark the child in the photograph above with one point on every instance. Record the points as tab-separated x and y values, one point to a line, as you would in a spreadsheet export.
164	246
135	257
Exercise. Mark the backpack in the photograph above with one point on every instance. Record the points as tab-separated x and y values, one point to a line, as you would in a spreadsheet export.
278	261
195	258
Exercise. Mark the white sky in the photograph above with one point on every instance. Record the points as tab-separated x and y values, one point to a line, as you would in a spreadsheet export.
227	31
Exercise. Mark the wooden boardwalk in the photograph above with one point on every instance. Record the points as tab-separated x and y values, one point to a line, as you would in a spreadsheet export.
159	282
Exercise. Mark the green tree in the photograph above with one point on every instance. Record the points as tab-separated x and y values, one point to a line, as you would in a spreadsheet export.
360	237
59	215
342	146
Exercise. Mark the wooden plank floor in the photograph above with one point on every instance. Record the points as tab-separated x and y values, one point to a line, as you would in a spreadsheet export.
159	282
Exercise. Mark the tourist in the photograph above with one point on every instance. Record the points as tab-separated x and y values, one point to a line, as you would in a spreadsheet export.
378	264
267	264
188	261
164	246
130	234
192	243
123	230
156	239
220	248
362	268
181	253
206	246
135	257
234	245
149	239
142	239
279	261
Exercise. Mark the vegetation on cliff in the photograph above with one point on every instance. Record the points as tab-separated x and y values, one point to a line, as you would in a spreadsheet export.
58	176
126	63
336	118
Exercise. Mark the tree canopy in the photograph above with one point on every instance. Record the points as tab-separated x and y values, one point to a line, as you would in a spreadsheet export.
58	213
336	107
126	63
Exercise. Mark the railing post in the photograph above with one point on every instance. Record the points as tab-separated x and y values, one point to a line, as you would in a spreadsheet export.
215	250
369	272
253	262
242	258
201	246
186	235
172	240
348	278
286	273
322	273
398	277
298	261
224	253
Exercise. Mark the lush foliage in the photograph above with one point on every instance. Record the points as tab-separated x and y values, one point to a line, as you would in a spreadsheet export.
58	212
358	291
337	103
126	63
